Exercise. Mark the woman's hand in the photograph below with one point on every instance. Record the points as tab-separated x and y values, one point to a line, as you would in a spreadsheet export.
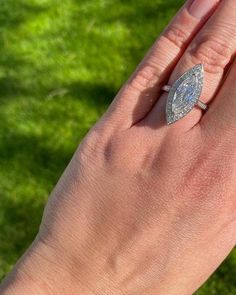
146	208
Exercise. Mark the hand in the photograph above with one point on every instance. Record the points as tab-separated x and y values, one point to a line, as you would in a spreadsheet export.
146	208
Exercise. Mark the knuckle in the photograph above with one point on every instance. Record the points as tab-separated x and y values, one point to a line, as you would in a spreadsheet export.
213	53
147	76
99	151
93	147
176	36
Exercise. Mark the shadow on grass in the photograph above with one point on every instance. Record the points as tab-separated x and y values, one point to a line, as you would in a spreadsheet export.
38	160
97	95
227	273
14	13
21	221
11	87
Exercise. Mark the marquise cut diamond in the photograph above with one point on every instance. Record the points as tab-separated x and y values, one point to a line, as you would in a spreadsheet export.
184	94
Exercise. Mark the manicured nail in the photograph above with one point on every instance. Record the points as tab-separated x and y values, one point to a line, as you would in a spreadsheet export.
201	8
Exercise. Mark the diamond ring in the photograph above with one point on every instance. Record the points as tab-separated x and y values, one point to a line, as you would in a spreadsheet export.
185	94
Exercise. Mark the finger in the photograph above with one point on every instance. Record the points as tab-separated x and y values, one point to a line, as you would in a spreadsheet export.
219	122
214	47
139	94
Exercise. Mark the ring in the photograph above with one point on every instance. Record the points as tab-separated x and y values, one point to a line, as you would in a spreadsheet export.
185	94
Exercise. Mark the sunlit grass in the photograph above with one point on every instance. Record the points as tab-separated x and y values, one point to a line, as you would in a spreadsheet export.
61	63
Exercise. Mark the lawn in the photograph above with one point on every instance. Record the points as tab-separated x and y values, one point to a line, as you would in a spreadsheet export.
61	64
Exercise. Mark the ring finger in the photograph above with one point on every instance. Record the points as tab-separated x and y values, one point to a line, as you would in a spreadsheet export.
214	47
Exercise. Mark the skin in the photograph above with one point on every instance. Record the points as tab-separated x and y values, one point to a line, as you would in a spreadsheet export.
146	208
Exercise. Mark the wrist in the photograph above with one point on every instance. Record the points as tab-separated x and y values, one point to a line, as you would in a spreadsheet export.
41	272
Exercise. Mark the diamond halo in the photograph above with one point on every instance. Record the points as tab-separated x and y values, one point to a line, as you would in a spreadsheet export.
184	94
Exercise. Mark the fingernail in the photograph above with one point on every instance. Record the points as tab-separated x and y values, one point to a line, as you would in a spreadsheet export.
201	8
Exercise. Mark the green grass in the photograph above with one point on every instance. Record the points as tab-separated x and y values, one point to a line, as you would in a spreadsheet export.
61	64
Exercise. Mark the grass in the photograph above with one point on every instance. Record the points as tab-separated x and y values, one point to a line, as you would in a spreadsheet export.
61	64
